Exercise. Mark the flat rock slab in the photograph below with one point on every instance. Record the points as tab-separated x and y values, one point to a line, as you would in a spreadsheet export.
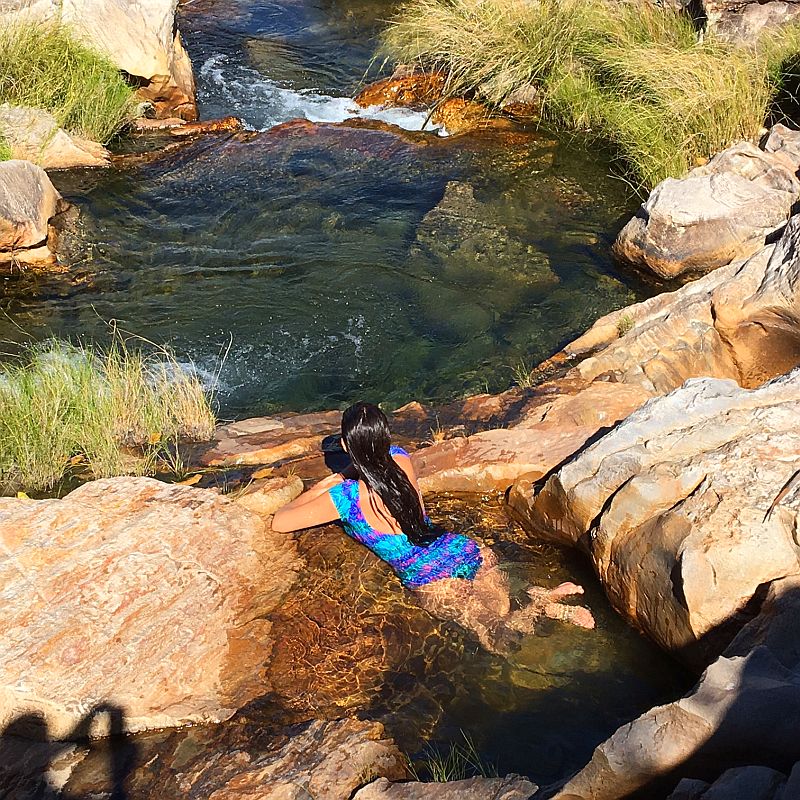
546	434
136	595
34	135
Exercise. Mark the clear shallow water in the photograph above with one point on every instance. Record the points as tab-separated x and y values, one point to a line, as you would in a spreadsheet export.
331	263
349	641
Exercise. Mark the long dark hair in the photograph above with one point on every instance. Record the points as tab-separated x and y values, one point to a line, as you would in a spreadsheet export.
365	431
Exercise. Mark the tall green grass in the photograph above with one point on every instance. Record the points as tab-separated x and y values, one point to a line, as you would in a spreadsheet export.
5	149
631	73
65	407
43	65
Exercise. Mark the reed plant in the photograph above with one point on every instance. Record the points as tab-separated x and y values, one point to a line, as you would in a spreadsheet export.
43	65
632	73
66	407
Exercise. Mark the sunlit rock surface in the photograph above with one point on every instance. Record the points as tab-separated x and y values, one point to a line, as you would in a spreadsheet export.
34	135
140	37
675	507
28	201
744	710
743	21
721	211
136	595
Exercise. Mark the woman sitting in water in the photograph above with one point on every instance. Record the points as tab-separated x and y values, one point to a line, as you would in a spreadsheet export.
451	575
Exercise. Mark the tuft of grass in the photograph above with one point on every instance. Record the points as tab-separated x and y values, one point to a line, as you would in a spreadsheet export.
462	760
65	408
43	65
523	374
634	74
625	324
5	149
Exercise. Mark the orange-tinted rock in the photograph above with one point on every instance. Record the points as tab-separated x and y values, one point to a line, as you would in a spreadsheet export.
420	89
511	787
144	596
267	440
550	432
228	124
459	116
265	497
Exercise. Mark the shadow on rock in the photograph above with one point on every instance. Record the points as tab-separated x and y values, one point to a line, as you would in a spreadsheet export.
34	767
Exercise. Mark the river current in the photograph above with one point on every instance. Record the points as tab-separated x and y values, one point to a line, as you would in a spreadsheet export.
301	270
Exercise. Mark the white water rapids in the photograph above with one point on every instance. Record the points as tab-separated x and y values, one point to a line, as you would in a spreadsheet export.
263	103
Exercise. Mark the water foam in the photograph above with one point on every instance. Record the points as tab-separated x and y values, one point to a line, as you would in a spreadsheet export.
262	103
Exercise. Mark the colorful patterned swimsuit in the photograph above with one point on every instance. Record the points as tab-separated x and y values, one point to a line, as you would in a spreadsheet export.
452	555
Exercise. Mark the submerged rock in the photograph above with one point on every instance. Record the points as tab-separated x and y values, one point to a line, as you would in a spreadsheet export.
136	595
34	135
719	212
744	710
28	201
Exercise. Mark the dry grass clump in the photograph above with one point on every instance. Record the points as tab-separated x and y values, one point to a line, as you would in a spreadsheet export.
112	413
633	73
42	65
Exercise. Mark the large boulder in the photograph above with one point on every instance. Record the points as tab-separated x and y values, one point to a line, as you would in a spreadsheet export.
28	201
743	711
140	37
139	596
34	135
744	21
685	509
722	211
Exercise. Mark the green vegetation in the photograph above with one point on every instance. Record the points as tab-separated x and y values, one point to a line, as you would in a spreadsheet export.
68	409
461	761
5	149
44	66
625	324
634	74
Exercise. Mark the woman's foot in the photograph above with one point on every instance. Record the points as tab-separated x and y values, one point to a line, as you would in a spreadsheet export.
567	589
575	615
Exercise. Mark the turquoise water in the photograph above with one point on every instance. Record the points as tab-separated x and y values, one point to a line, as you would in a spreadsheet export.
310	267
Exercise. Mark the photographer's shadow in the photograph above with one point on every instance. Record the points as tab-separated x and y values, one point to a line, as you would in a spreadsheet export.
30	761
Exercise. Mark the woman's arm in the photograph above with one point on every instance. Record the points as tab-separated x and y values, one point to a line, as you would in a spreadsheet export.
313	507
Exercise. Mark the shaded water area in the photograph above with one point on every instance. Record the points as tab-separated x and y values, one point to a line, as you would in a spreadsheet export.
331	263
351	641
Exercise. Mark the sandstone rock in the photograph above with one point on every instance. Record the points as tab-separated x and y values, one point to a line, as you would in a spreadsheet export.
739	322
744	710
673	508
545	435
512	787
720	212
28	201
321	760
458	115
34	135
139	595
266	497
408	90
139	37
266	440
743	21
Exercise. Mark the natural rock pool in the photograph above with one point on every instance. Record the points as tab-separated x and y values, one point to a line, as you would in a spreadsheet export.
310	266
